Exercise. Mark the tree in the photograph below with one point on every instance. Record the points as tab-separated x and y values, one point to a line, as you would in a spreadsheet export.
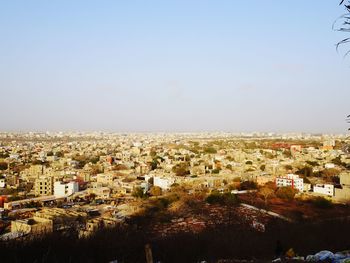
321	202
210	150
155	191
286	193
248	185
138	193
330	172
342	24
181	169
154	164
266	192
3	165
306	171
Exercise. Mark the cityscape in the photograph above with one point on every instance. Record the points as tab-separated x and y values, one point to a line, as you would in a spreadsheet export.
169	183
174	131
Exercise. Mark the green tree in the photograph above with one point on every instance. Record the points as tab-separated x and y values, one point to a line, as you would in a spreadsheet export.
321	202
267	193
248	185
155	191
138	193
3	165
181	169
286	193
210	150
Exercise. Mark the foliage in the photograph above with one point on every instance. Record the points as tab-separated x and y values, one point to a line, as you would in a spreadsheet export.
248	185
321	202
181	169
263	167
3	165
330	172
312	163
222	199
267	193
4	155
287	193
342	24
155	191
305	171
126	243
138	193
210	150
59	154
216	171
288	167
154	164
120	167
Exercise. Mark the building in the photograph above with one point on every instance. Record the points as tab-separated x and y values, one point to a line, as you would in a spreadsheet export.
2	182
324	189
33	225
295	149
61	218
291	180
307	187
43	186
163	182
100	192
328	145
343	194
105	179
65	189
95	224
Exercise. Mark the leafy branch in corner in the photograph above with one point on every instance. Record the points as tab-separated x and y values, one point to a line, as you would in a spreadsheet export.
342	24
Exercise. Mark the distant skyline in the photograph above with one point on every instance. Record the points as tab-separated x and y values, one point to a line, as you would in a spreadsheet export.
172	66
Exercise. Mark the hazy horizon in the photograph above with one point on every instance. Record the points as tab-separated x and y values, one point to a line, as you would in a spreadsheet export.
172	66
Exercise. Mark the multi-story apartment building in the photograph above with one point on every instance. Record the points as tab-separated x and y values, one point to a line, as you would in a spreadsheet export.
65	189
43	186
291	180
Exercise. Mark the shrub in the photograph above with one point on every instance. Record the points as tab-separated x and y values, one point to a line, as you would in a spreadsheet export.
138	193
248	185
216	171
155	191
181	169
286	193
210	150
323	203
222	199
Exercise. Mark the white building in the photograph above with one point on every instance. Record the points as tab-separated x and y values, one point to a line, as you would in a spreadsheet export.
329	165
2	183
291	180
163	182
324	189
65	189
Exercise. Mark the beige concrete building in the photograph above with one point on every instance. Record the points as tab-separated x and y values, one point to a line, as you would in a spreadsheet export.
43	186
60	217
35	225
343	194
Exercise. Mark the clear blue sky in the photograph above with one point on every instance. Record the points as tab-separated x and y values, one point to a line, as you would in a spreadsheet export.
172	66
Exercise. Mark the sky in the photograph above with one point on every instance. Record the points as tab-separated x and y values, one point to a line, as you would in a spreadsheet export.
172	66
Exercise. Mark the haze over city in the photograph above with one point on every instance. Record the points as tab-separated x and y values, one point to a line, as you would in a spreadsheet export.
172	66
